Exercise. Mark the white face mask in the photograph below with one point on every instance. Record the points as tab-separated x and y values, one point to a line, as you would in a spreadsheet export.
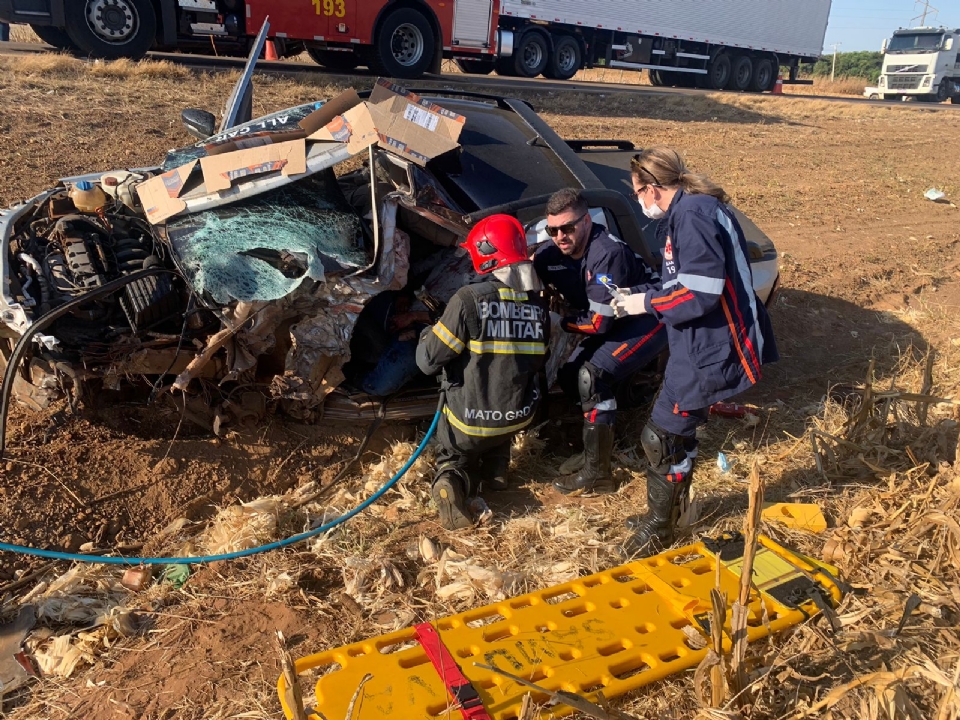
653	212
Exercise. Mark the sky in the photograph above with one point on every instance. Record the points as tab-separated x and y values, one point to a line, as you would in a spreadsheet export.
863	24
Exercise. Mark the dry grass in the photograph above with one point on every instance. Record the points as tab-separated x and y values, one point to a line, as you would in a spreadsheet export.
839	87
23	34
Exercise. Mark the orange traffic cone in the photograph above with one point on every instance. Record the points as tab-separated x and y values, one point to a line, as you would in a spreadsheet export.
270	51
778	85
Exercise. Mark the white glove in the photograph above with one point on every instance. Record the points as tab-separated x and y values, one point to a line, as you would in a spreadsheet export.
630	305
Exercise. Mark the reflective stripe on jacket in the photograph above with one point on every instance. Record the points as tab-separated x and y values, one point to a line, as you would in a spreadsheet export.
491	343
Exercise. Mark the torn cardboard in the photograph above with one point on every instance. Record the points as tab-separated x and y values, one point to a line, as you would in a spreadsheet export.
398	120
221	171
160	195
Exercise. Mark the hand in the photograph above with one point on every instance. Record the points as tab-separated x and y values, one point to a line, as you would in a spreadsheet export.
630	305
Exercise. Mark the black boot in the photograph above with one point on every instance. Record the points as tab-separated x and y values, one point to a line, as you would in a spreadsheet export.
449	492
596	476
493	472
654	531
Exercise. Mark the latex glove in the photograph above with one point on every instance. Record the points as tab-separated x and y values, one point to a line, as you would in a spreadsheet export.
629	305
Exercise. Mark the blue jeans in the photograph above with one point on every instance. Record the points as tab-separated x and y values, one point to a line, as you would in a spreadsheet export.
396	367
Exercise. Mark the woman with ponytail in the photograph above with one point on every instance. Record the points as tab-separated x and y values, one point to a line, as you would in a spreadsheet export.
717	329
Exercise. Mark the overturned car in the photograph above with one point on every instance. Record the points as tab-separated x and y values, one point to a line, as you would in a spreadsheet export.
262	265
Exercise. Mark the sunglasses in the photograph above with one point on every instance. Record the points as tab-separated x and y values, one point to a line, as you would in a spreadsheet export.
566	229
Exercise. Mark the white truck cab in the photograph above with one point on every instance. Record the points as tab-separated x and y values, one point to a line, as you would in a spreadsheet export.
923	63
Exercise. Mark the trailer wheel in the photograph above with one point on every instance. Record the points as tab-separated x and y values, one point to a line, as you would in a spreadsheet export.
475	67
405	45
655	78
718	72
763	77
565	59
111	29
742	73
333	59
531	56
55	36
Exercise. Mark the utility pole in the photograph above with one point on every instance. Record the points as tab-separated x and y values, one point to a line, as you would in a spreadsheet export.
922	17
833	70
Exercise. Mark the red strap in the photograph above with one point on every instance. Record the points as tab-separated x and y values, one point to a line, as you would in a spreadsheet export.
460	689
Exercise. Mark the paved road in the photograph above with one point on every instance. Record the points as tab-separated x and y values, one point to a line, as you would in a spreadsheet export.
491	82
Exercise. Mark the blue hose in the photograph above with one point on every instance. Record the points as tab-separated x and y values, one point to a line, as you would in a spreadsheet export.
22	550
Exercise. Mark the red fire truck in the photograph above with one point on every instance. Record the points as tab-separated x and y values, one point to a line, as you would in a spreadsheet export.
721	44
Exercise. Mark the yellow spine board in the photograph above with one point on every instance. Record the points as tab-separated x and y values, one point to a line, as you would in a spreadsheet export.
614	631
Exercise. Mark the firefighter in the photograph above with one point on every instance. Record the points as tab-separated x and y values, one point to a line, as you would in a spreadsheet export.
719	332
585	264
491	344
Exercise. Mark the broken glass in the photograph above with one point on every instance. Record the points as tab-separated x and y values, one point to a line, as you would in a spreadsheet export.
263	248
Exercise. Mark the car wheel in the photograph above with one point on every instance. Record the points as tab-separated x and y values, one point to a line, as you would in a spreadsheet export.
565	59
111	29
718	72
405	45
55	36
741	74
762	78
531	56
476	67
333	59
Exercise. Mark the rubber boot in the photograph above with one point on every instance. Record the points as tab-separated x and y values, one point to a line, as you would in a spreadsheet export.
493	473
596	476
654	531
450	495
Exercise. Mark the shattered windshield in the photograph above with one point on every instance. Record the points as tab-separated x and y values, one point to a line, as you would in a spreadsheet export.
263	248
915	42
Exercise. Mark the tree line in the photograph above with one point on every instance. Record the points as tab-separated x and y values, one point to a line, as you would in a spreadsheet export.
862	63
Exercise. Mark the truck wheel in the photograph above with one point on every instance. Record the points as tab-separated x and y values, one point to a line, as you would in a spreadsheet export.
741	74
531	56
763	77
334	60
718	72
475	67
111	29
944	90
655	78
565	59
405	45
55	36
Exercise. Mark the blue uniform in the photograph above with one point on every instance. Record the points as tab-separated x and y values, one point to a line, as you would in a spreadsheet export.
719	332
617	348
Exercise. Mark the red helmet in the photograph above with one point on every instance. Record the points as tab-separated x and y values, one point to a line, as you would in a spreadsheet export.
495	242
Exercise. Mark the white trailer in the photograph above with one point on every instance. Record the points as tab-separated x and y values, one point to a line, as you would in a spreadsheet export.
923	63
717	44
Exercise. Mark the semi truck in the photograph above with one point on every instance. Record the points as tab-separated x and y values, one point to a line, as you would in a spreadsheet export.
721	45
921	63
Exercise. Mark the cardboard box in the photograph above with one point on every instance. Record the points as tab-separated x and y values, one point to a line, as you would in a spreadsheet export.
160	195
398	120
220	171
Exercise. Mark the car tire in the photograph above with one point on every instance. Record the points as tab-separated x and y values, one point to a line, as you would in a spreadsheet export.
476	67
719	72
531	55
57	37
334	60
565	58
763	76
111	29
874	96
741	74
405	45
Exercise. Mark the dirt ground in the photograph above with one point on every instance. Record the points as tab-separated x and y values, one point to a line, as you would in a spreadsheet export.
869	270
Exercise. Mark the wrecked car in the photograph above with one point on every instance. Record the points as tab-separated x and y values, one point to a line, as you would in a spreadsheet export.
246	270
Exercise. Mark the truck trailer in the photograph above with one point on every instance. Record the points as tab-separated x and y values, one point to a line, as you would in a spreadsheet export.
721	45
921	63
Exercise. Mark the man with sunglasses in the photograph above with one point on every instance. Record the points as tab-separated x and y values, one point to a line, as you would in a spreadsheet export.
586	265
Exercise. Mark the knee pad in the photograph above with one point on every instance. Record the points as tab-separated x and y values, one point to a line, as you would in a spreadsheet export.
596	392
663	449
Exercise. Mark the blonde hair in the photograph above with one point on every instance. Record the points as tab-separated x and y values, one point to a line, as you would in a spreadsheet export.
663	166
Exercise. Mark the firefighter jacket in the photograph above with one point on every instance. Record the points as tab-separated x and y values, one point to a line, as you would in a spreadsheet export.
491	344
584	282
718	329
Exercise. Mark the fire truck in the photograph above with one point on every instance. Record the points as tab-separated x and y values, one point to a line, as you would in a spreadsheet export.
721	44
